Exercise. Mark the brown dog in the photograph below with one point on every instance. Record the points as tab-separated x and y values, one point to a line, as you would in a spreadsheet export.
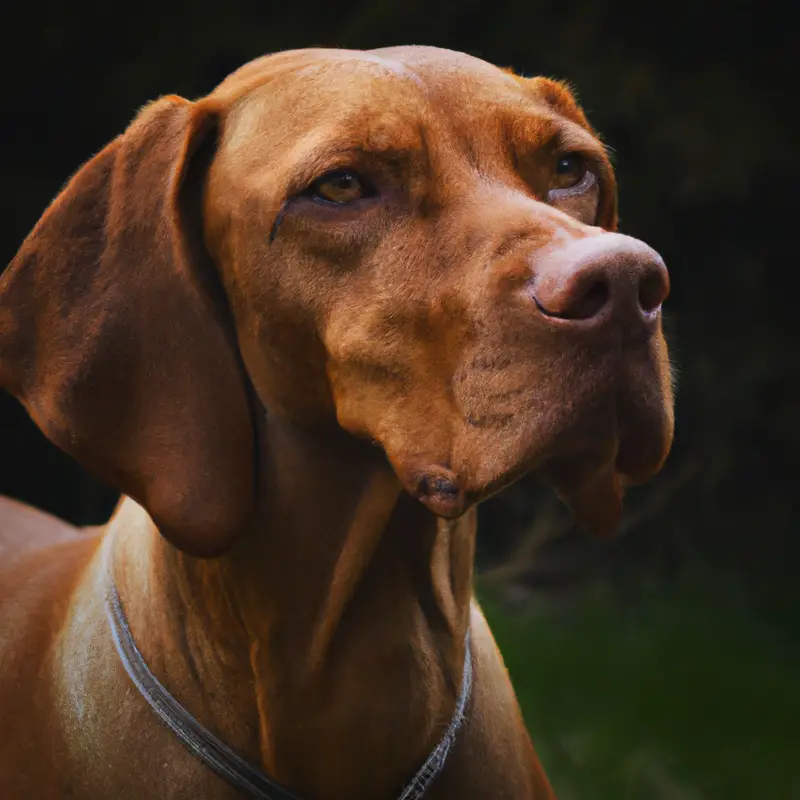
304	324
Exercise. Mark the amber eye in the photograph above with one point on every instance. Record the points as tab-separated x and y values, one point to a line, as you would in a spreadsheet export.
341	186
570	170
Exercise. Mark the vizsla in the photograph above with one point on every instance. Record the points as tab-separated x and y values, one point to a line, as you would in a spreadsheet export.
304	325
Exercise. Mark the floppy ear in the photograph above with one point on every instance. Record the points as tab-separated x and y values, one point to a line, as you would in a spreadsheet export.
559	96
113	336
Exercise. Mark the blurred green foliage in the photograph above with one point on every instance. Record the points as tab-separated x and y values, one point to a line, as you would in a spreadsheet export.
685	695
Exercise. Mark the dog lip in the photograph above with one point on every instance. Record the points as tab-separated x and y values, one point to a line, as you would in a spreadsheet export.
444	487
441	492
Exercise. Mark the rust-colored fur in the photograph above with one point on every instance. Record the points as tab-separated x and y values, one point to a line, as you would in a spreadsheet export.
301	403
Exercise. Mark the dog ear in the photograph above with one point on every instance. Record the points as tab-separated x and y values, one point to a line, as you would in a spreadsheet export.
114	335
560	97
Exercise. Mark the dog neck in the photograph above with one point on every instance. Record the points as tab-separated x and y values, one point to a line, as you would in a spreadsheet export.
338	617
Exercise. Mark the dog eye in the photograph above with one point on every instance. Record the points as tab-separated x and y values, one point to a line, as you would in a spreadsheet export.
341	186
570	170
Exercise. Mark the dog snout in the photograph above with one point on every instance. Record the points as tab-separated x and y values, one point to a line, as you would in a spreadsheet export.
601	279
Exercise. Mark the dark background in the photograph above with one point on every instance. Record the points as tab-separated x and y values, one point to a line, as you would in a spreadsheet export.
697	102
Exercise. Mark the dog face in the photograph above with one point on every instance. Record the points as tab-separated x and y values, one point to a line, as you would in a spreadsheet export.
411	244
419	245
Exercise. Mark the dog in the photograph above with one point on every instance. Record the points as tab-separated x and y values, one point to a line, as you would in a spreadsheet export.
304	325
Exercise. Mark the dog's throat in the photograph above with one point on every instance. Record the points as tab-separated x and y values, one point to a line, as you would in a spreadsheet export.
220	758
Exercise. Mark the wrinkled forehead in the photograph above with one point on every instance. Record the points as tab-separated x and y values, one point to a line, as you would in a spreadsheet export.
402	88
311	93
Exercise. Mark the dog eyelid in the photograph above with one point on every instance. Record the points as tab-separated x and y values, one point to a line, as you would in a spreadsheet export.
588	180
342	181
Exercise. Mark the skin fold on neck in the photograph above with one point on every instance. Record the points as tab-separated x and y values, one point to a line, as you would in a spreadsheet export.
328	645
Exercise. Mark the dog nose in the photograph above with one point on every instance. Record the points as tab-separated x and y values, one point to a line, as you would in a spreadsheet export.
605	277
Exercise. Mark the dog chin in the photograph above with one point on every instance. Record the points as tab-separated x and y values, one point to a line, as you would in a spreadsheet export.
591	484
588	457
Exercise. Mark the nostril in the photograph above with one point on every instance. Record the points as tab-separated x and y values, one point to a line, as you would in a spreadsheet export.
653	290
592	301
583	302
